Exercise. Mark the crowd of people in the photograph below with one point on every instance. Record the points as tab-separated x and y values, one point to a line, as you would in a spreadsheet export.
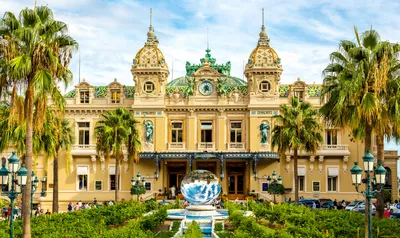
80	206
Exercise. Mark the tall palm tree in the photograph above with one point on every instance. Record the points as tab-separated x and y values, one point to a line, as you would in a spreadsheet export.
44	53
298	128
361	90
116	130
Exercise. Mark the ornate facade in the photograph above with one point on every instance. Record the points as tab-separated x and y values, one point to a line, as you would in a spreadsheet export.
206	119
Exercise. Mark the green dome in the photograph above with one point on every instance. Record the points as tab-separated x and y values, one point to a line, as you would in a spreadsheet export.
231	82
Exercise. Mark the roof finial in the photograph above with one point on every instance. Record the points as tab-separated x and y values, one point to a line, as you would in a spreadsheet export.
151	14
151	37
207	40
263	17
264	40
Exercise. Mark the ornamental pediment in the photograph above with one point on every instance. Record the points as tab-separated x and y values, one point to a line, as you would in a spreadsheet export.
84	85
115	84
207	71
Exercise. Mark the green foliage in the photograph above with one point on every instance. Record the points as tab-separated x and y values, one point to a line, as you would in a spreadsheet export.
171	233
218	226
387	195
136	188
3	203
225	234
193	231
279	188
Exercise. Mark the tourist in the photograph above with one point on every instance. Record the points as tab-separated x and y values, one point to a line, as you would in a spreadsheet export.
386	213
86	206
173	190
335	204
70	206
314	205
48	212
237	200
76	208
343	204
9	211
80	204
110	203
290	200
95	201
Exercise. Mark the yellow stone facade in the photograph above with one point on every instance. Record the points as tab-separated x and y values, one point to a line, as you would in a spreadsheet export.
207	119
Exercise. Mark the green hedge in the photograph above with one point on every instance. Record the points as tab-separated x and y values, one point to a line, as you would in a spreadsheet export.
193	231
89	223
170	233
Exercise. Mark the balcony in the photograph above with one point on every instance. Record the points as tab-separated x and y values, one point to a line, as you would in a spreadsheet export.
84	149
176	145
333	147
235	146
206	146
327	150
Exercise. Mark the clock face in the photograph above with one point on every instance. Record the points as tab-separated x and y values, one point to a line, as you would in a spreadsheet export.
206	88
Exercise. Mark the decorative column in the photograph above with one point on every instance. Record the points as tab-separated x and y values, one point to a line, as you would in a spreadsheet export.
312	159
126	164
93	159
345	160
288	163
321	159
221	166
102	164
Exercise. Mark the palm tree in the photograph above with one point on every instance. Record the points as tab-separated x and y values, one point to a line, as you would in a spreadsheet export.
361	90
298	128
117	129
42	60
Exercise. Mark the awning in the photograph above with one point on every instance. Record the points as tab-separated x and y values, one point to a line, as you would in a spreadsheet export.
333	172
301	171
111	170
82	170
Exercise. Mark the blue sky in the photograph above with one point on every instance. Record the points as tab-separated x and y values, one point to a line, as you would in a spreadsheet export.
303	32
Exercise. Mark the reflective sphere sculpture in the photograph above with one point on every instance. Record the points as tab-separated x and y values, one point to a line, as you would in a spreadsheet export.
200	187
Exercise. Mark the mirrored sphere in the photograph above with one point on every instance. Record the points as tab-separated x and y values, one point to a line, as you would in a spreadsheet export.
200	187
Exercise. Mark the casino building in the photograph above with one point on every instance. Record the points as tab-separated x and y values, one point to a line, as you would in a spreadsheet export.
206	119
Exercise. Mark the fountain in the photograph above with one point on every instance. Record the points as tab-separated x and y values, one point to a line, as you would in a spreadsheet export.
200	188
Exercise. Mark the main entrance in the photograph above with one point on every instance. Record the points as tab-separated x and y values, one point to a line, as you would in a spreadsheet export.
236	180
208	165
176	173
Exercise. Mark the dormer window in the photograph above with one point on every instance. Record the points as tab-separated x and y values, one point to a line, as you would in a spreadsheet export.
115	96
299	94
265	86
84	96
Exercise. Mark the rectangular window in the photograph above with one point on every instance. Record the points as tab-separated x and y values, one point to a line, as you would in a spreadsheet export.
111	173
236	132
98	185
315	185
301	183
177	131
299	95
264	187
332	184
112	182
115	96
84	131
84	96
147	185
82	173
206	131
331	137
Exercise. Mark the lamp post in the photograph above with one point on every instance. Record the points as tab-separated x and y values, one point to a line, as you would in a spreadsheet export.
18	177
35	182
274	182
356	173
43	193
136	186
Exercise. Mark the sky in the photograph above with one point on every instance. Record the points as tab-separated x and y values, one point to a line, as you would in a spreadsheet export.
303	32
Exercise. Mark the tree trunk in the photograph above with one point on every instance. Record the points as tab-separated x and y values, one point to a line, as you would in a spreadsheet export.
117	179
55	183
296	177
26	197
368	146
380	203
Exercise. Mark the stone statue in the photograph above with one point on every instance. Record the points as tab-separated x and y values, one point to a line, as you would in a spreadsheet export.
264	130
149	131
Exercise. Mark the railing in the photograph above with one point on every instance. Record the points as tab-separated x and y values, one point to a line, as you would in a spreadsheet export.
176	145
206	145
334	147
83	147
236	146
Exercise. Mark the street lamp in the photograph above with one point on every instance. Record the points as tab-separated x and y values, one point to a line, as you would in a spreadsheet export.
274	182
35	182
43	193
380	174
18	177
136	186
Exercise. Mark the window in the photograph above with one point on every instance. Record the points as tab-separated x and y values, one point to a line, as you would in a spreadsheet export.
332	184
111	173
115	96
98	185
264	187
147	185
84	131
82	173
206	131
236	131
84	96
177	131
265	86
301	183
315	185
148	87
299	94
331	137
